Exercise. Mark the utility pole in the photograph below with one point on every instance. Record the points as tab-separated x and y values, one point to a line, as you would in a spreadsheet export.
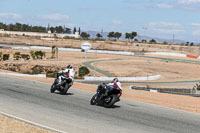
102	33
145	28
173	38
95	67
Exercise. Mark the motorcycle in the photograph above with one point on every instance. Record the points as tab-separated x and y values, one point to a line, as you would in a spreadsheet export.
106	100
61	86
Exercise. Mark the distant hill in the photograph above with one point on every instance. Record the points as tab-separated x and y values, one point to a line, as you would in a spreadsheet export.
139	37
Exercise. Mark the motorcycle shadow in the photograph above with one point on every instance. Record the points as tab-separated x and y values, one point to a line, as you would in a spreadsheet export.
64	94
114	106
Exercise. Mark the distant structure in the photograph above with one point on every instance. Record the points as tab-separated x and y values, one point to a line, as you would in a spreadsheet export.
49	34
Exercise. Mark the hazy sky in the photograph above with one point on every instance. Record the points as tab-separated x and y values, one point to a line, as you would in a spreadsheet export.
162	18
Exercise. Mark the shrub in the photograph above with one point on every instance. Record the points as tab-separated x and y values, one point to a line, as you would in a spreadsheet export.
32	54
165	42
12	69
6	56
1	55
39	54
197	86
17	55
25	56
37	69
144	40
83	71
51	73
152	41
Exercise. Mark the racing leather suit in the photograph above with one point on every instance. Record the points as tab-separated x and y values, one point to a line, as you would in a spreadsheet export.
67	73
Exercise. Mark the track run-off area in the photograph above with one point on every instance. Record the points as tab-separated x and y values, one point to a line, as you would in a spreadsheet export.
32	101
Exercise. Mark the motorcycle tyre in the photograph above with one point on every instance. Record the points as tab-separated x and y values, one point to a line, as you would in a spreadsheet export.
52	90
64	91
93	101
111	103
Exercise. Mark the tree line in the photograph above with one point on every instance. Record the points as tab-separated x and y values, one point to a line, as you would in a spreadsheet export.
29	28
62	29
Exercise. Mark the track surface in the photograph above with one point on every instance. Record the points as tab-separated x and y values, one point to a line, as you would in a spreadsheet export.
32	100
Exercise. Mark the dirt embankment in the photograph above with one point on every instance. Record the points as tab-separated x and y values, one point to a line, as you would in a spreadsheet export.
106	45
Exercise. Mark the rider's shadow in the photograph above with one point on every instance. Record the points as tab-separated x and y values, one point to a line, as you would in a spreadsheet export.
114	106
64	94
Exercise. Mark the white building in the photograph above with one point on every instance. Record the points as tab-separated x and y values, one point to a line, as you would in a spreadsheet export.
49	34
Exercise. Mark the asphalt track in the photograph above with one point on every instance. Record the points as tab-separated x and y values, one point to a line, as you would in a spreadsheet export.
32	101
89	63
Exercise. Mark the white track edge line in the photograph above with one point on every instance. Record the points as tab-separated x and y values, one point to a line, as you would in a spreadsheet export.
31	122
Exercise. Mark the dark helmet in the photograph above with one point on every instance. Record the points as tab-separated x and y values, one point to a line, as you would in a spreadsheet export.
115	80
69	67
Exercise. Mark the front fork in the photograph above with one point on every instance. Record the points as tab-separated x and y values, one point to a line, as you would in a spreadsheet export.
119	95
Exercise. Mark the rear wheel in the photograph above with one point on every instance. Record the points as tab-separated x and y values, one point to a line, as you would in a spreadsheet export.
110	101
93	101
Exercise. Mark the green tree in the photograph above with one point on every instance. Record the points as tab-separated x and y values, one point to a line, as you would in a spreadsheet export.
54	52
127	36
111	35
3	26
1	56
98	35
79	30
74	30
83	71
133	35
59	29
85	35
143	40
117	35
52	29
25	56
25	27
152	41
39	54
33	54
67	30
187	43
18	27
6	56
135	40
17	56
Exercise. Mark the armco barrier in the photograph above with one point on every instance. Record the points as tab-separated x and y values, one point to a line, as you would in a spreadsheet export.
24	75
185	91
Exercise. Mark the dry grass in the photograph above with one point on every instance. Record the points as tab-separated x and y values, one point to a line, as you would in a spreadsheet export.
9	125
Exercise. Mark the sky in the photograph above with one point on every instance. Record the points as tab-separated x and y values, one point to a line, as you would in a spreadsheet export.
155	18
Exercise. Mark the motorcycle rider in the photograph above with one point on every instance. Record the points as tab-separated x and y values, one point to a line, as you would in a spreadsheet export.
68	74
115	84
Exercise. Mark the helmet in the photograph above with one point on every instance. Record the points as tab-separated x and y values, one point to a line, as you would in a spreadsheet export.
115	80
69	67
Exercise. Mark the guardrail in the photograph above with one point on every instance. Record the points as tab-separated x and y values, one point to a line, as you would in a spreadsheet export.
186	91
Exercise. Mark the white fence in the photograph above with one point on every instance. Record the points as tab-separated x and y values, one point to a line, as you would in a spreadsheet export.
123	78
24	75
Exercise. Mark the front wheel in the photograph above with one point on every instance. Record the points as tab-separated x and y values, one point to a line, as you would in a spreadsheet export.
52	90
110	101
93	101
64	91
